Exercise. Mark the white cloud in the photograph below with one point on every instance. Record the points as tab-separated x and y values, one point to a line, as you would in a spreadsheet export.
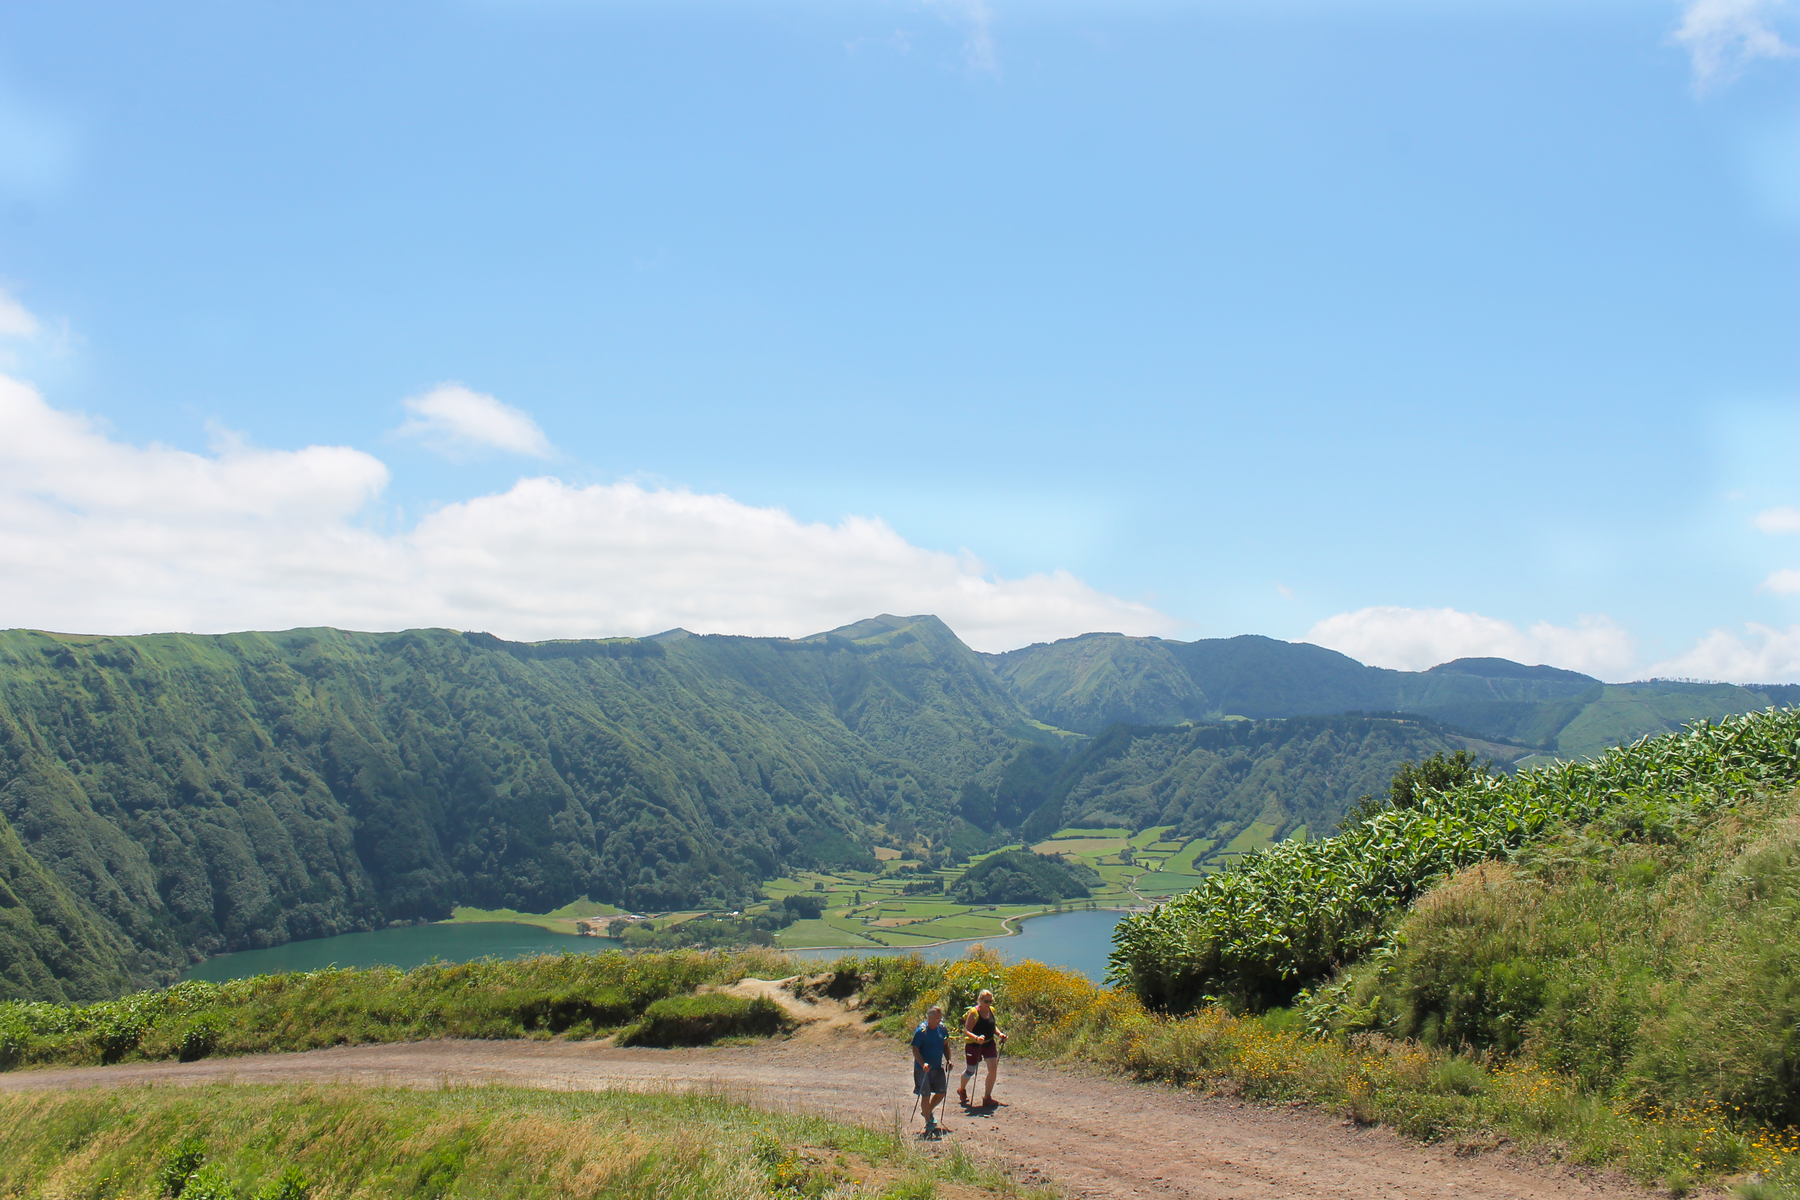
1779	520
100	536
16	320
1762	655
455	421
1723	37
1784	582
1411	639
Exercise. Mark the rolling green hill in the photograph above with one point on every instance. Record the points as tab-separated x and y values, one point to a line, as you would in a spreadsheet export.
1088	683
1021	877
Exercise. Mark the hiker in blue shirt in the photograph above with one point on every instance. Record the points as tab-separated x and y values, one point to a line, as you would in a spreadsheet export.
931	1062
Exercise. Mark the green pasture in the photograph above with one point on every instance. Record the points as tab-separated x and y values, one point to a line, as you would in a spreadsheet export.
561	920
1258	835
868	909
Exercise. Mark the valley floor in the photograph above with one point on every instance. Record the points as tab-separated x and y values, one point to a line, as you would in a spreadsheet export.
1095	1137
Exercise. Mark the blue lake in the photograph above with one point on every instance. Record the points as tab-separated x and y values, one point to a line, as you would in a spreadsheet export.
1078	940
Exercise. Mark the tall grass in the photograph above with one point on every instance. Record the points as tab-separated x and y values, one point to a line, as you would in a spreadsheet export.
1656	963
1430	1092
574	995
321	1142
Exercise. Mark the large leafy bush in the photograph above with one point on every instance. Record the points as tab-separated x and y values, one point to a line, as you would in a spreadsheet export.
1278	920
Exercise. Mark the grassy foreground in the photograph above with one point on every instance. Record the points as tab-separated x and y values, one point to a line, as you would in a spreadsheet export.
326	1143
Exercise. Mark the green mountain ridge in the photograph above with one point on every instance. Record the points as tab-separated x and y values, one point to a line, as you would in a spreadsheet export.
1219	780
1088	683
169	796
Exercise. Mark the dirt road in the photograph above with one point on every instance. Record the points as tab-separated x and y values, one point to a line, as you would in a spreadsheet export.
1096	1137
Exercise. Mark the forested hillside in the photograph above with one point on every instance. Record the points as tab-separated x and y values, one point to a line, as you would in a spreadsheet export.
203	793
1088	683
1218	780
49	948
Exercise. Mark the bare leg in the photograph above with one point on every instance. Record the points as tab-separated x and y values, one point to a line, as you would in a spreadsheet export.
993	1065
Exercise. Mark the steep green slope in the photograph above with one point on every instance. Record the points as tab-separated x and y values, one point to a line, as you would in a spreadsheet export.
1276	921
1093	681
1217	780
49	948
1620	713
241	790
1651	952
1099	679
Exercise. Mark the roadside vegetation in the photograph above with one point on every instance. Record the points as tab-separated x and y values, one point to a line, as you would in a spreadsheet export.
1258	932
314	1142
638	997
1620	936
1477	1099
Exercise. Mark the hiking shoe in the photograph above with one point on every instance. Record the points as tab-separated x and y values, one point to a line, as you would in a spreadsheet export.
962	1094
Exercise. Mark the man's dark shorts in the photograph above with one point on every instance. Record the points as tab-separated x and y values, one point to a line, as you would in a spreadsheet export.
929	1082
974	1052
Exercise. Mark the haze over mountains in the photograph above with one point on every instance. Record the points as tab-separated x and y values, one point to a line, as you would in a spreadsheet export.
169	796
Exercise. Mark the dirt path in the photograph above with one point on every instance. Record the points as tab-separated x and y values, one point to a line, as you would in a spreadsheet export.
1096	1137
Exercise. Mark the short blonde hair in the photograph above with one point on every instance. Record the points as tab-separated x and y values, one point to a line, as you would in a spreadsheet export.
986	994
936	1008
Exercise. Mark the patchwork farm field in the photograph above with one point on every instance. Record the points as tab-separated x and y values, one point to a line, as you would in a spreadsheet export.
906	903
874	909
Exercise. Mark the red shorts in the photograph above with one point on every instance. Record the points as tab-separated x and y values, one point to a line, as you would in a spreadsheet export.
974	1052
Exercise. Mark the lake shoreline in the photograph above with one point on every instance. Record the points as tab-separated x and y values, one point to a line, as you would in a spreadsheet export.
1005	923
1079	939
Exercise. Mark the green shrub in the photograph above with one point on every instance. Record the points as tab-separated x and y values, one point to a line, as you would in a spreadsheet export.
897	983
15	1037
599	1009
208	1183
291	1184
1459	1077
1257	932
1654	962
180	1163
199	1039
698	1020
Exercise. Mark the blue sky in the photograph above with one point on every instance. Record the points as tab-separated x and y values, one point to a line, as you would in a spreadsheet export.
1415	329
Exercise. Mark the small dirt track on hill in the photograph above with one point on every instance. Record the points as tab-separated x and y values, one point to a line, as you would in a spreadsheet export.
1097	1137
